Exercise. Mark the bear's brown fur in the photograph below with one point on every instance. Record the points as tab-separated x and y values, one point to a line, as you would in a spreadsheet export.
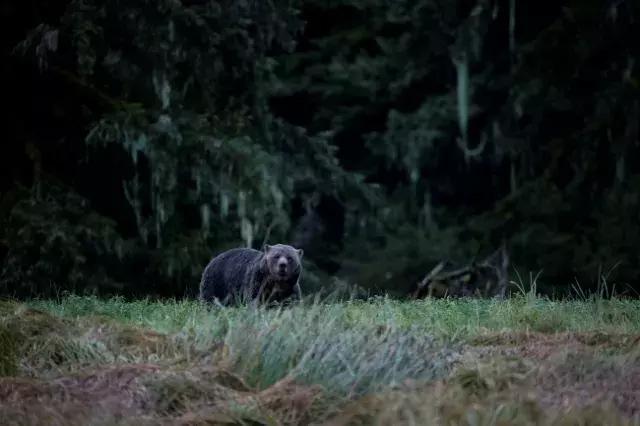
242	275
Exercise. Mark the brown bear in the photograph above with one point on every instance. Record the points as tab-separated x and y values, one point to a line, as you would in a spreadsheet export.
242	275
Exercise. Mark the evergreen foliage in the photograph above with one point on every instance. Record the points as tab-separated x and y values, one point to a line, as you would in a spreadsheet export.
442	128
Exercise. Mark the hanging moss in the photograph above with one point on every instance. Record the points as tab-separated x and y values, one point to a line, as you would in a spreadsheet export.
234	118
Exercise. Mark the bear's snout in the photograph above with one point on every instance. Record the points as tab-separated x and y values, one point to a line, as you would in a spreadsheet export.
283	265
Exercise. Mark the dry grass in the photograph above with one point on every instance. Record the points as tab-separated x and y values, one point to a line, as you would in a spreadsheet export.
81	361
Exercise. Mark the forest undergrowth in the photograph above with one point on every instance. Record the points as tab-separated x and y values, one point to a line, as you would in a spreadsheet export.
525	360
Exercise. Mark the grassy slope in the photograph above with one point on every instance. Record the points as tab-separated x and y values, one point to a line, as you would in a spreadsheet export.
521	361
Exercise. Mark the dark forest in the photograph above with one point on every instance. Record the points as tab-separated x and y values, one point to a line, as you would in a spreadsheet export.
382	137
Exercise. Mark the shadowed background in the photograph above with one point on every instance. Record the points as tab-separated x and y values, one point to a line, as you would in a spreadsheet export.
380	136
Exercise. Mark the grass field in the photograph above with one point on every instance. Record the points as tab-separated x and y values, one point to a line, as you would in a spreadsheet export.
527	360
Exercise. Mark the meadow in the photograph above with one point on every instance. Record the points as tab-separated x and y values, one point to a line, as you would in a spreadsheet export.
525	360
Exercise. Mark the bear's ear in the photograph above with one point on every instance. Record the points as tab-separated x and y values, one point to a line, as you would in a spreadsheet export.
266	248
300	253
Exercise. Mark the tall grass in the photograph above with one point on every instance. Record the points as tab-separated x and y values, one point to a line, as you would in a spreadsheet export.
350	349
448	319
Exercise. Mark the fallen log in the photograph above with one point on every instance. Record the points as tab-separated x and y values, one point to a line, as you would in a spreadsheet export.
488	278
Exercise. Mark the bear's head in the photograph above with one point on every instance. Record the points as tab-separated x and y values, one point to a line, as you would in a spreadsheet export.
283	262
